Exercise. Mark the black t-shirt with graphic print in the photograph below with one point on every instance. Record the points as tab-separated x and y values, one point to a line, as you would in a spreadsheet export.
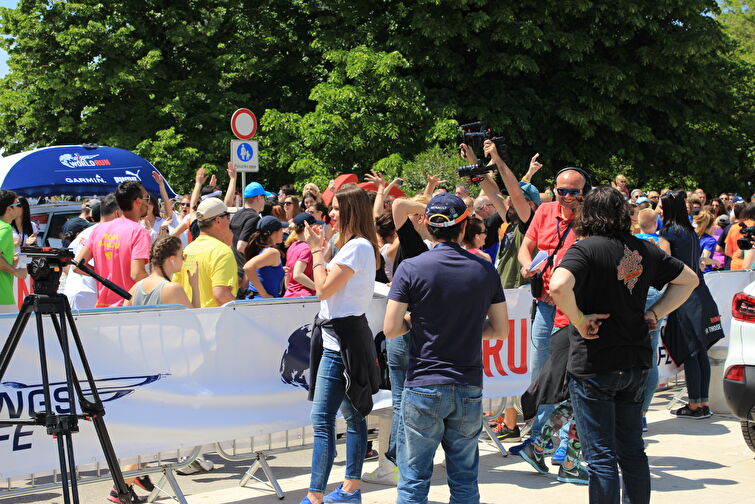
613	276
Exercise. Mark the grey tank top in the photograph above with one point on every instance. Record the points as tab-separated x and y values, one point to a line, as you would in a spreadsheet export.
153	297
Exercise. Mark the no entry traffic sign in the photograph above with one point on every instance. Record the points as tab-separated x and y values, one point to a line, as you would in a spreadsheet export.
244	124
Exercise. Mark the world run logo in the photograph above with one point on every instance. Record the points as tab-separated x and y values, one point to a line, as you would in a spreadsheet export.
19	400
78	161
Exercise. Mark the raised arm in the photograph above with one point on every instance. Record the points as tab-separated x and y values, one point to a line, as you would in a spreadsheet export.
199	179
164	196
432	182
379	181
231	191
402	208
517	199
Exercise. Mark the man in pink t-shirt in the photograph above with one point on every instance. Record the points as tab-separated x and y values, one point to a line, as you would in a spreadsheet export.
120	247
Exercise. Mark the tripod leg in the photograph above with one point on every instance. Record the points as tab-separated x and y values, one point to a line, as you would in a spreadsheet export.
72	468
94	408
11	343
51	422
71	420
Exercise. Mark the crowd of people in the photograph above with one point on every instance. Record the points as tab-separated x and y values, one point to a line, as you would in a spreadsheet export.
605	266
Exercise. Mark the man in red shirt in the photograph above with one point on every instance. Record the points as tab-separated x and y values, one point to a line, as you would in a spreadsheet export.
552	232
120	247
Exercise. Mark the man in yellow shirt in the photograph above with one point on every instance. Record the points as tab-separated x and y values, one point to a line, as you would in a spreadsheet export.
211	253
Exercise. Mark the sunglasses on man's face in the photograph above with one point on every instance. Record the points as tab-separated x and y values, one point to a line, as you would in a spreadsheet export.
185	204
15	204
568	192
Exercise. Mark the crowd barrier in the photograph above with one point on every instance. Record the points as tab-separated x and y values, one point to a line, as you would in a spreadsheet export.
175	378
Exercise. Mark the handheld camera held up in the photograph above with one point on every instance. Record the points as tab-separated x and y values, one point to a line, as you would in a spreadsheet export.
748	237
474	135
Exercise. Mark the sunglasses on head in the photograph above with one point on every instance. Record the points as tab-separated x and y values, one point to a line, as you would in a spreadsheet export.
568	192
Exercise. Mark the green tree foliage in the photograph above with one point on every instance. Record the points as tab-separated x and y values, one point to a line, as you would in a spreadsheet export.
660	89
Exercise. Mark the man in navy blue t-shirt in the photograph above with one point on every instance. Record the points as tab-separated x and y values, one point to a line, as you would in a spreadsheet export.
449	292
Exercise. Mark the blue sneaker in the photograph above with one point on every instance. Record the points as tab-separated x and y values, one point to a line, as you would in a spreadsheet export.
340	496
305	500
559	455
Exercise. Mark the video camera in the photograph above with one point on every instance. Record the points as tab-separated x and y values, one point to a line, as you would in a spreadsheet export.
47	265
474	135
748	237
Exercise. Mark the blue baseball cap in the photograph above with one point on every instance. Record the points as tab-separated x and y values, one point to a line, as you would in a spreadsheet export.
530	192
303	217
270	224
256	189
446	210
641	200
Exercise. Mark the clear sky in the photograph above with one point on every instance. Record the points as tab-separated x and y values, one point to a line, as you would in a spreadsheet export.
3	54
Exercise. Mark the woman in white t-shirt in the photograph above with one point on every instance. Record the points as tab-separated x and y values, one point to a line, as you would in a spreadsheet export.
345	287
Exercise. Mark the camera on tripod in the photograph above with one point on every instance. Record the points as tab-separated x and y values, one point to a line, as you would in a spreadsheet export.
474	135
46	267
748	237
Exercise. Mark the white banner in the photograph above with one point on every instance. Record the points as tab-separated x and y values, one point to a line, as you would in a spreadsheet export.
177	378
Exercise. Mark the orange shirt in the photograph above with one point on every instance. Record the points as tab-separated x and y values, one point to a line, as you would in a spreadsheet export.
732	249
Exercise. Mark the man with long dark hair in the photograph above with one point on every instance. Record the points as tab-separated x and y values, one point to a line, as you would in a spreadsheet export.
601	285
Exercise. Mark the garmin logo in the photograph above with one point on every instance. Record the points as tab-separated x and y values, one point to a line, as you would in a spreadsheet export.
86	180
130	176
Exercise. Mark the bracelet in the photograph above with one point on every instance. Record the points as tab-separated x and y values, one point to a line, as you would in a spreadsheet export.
316	251
526	180
580	319
321	263
654	314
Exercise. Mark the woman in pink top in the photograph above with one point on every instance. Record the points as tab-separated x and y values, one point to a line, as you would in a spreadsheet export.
474	237
299	281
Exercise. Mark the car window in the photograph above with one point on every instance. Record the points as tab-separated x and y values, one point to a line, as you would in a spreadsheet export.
55	224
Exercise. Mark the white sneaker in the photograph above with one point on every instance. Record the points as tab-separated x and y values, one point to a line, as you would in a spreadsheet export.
386	474
198	465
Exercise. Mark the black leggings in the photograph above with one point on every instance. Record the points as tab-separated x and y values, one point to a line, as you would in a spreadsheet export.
697	373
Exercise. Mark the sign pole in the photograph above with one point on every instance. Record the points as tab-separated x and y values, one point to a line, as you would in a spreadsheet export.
243	186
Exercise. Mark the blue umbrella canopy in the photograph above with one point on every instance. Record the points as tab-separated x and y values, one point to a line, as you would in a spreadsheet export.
75	170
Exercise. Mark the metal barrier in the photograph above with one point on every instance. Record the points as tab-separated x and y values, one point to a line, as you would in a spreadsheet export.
168	475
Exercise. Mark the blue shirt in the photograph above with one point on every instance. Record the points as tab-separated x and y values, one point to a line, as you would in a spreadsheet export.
449	292
651	237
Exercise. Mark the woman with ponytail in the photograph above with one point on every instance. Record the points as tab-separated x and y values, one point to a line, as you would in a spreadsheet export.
264	266
165	259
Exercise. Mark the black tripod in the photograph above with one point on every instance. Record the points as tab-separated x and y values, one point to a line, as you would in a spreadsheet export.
45	269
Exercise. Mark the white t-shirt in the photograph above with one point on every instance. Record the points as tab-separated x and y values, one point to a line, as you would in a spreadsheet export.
81	290
354	297
388	263
154	233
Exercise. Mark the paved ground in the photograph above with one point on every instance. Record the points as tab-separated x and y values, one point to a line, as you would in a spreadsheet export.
690	460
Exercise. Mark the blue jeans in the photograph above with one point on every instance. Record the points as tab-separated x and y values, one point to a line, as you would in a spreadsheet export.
450	415
330	394
542	328
653	296
398	361
607	410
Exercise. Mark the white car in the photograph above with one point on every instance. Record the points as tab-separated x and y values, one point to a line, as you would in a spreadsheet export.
739	369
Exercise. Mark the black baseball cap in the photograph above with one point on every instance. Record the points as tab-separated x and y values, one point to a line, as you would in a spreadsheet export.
446	210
